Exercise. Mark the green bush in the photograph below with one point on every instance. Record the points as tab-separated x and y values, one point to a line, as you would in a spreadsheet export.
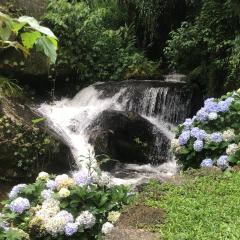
80	206
92	48
207	49
212	137
25	150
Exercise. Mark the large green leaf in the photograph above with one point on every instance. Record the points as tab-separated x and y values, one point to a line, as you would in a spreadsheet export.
44	44
35	25
30	38
5	29
16	26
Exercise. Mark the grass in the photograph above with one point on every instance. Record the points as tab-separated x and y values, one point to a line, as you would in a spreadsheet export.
204	206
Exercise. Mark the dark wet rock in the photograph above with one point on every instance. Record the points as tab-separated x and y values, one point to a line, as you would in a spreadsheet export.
124	136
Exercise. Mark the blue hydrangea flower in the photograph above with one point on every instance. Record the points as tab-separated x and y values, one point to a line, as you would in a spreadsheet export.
82	178
16	190
216	137
224	105
222	162
206	163
211	106
229	100
52	185
19	205
202	115
184	137
188	123
70	229
198	145
198	133
208	100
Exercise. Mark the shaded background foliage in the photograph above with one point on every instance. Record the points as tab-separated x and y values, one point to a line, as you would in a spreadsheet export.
122	39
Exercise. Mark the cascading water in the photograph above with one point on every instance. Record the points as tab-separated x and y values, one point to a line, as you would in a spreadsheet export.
163	104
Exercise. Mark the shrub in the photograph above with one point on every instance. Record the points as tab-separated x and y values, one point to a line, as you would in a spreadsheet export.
207	49
80	206
92	48
212	137
24	149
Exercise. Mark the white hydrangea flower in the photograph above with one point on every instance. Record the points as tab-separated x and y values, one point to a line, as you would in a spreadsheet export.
104	180
228	135
113	216
43	176
174	143
86	219
232	148
56	224
49	208
107	228
212	116
63	193
64	181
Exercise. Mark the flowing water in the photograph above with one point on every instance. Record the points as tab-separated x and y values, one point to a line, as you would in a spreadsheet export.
163	104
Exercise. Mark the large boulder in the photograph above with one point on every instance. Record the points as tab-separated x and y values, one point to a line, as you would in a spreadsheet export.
124	136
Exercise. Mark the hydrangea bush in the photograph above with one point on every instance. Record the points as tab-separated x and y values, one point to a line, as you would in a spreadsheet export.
212	137
79	206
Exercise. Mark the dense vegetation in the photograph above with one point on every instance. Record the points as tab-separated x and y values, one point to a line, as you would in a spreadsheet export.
114	40
207	48
96	45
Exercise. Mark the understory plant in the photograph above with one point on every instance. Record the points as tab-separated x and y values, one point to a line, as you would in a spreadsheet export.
212	137
25	149
76	206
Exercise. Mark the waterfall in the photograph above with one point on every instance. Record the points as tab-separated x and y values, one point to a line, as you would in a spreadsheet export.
164	104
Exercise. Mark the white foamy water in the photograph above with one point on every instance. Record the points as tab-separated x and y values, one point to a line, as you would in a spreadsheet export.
70	118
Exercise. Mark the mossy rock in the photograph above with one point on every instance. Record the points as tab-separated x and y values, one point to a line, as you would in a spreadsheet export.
28	148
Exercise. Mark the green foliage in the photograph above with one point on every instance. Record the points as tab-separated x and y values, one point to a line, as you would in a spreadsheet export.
91	46
208	48
24	149
204	205
101	200
9	88
24	34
